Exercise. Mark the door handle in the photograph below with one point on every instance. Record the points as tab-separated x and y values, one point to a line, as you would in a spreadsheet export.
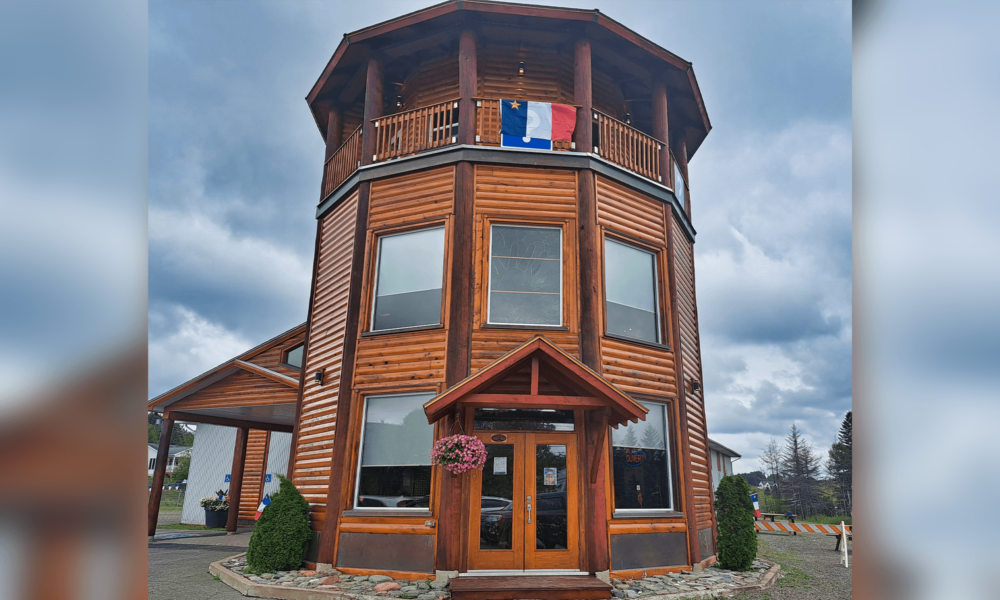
529	513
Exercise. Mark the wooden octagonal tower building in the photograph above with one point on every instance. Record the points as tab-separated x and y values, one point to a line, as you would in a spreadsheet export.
536	294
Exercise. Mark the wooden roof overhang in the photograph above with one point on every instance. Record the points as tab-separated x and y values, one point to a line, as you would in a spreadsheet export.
266	401
436	29
557	380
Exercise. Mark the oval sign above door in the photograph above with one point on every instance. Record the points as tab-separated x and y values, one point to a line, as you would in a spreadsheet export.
498	437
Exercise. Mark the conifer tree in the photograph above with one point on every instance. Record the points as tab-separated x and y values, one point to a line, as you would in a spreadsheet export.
799	468
737	543
839	465
281	537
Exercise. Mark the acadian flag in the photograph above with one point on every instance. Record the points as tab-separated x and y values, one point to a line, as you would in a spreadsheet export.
526	124
260	509
756	507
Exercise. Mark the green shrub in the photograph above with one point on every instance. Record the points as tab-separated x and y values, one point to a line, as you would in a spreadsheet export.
281	537
737	543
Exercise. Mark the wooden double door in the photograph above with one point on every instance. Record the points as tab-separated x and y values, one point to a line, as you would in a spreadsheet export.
524	506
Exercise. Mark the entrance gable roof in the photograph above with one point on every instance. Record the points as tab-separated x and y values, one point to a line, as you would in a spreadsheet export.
602	392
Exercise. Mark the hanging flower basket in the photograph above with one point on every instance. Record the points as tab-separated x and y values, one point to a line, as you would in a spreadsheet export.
459	453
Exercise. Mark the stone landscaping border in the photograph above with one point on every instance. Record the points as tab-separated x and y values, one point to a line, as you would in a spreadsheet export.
261	590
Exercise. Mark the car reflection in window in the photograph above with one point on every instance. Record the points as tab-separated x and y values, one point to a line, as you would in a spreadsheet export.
495	522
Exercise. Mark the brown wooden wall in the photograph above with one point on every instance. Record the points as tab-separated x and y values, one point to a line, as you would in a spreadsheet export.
270	358
530	196
239	389
548	75
432	82
624	213
422	196
253	474
318	414
691	360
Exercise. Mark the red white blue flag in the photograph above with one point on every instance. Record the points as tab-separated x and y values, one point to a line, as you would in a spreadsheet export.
260	509
525	124
756	507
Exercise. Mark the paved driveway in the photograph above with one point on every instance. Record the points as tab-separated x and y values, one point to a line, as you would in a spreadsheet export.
178	568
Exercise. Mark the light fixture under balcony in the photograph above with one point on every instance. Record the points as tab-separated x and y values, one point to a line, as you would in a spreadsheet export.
520	68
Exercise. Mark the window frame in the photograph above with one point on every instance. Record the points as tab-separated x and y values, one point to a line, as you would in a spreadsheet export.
657	293
488	245
662	283
376	256
284	356
382	393
674	487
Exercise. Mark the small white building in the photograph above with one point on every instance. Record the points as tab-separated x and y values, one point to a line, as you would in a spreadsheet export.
173	456
722	459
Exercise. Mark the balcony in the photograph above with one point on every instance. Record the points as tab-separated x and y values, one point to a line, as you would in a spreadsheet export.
422	129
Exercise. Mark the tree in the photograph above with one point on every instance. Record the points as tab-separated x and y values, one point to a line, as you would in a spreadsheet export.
181	470
281	537
839	465
651	437
628	440
754	478
181	435
737	543
799	468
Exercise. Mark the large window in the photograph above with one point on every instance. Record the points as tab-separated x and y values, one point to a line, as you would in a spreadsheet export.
525	275
395	465
641	458
408	282
679	185
630	292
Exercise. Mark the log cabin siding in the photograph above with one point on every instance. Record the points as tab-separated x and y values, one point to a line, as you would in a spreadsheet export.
318	413
548	75
636	368
490	344
626	211
687	314
242	388
432	82
525	192
411	198
400	358
253	474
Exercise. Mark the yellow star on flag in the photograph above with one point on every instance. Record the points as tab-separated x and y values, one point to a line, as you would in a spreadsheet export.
515	105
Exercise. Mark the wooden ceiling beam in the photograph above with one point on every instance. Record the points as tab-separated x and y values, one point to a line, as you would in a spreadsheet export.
272	375
189	417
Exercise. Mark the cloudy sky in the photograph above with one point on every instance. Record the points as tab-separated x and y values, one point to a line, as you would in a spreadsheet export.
235	163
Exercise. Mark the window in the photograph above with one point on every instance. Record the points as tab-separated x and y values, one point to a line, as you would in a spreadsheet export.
293	356
630	297
152	463
408	282
525	275
395	465
641	462
679	185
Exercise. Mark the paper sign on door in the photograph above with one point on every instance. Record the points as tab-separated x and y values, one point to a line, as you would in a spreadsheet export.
499	465
550	476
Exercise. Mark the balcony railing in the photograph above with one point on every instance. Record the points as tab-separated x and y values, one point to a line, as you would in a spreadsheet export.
423	129
343	163
627	147
416	130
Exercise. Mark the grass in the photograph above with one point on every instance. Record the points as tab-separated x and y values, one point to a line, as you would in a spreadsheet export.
821	520
216	577
791	575
193	527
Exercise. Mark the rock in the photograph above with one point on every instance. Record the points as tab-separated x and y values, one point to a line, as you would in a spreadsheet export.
307	573
407	595
379	578
360	578
395	593
427	597
423	585
621	586
330	580
631	594
409	588
402	582
387	586
267	576
303	584
439	585
617	593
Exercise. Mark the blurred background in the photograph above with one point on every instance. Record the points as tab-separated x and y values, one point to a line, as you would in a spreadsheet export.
73	297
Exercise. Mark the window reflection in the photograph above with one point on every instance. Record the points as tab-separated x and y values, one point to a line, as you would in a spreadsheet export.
395	470
641	462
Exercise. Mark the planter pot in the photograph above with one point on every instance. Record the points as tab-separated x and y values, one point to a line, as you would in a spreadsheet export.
216	518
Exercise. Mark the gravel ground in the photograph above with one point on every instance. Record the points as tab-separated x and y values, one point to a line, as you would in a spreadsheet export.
810	569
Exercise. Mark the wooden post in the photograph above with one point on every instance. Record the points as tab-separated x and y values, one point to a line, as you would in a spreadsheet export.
159	472
373	110
467	79
583	95
596	526
692	518
236	478
459	356
661	128
334	132
338	470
